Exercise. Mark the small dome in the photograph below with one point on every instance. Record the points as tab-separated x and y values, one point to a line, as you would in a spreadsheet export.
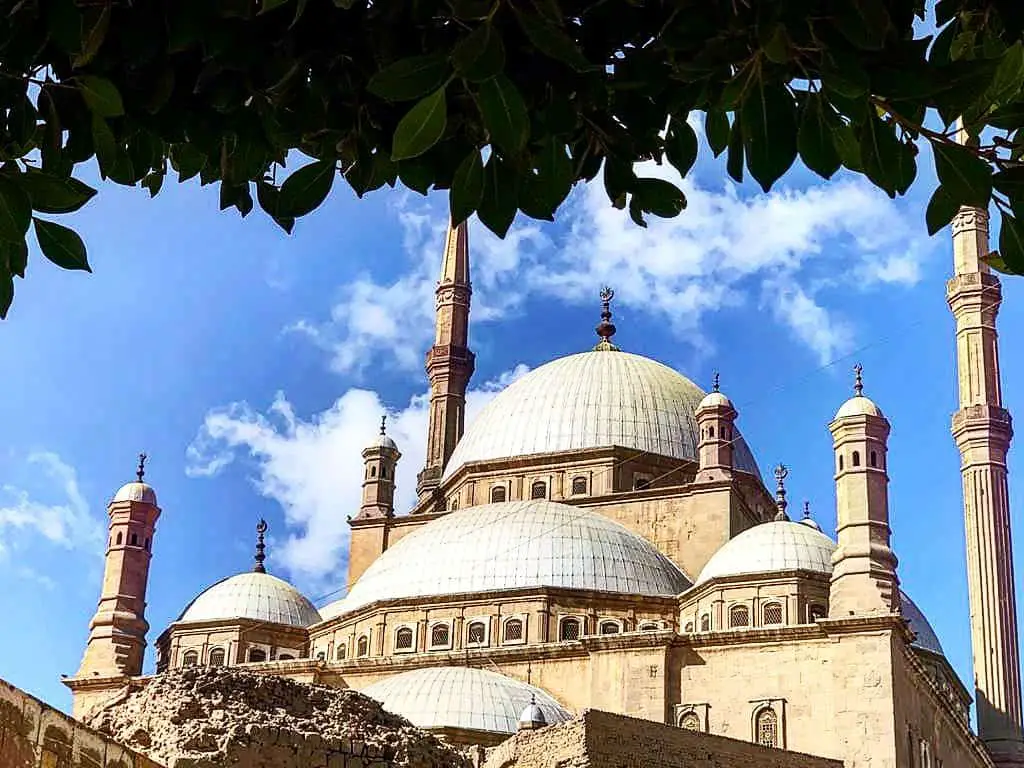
591	400
810	522
859	405
924	635
384	441
778	546
514	545
715	399
136	491
532	716
253	595
462	697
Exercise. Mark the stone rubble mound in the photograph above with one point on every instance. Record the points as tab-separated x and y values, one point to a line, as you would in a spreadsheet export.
209	717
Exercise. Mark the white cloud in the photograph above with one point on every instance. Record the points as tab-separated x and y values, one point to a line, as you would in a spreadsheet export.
722	252
67	523
313	467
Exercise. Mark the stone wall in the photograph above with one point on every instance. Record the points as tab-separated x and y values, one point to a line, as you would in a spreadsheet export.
35	735
603	740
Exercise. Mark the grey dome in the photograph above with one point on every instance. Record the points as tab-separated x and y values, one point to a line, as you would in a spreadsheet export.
462	697
533	716
924	635
591	400
136	491
253	595
512	545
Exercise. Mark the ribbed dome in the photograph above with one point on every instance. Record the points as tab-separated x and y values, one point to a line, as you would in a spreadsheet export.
257	596
591	400
513	545
787	545
462	697
859	406
776	546
136	491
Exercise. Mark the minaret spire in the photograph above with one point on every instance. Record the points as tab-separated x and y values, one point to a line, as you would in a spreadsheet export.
141	471
982	429
261	528
449	362
781	473
606	328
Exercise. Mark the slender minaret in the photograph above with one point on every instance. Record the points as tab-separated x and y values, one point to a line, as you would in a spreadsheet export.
117	632
449	362
982	430
864	580
380	461
716	417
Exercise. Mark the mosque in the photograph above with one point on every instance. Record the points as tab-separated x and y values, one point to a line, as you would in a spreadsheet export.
601	537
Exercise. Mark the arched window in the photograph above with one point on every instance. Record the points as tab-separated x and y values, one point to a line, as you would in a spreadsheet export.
339	652
440	636
856	458
497	494
688	627
477	633
190	659
816	612
840	463
690	721
383	473
579	485
569	629
711	431
135	539
609	628
118	537
874	459
539	490
513	631
705	623
454	505
739	616
321	656
766	727
147	544
403	639
363	646
216	657
650	626
771	614
257	654
373	471
289	657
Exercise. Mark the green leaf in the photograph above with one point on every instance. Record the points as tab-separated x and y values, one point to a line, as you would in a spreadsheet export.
1007	118
768	115
101	96
410	78
61	245
64	22
815	137
716	128
681	145
660	197
467	187
967	177
734	158
865	23
106	146
15	256
499	203
306	189
878	151
504	113
995	261
843	73
269	5
55	194
6	293
94	39
187	161
15	211
776	48
1010	182
551	40
1011	243
153	182
480	55
1009	77
941	210
421	127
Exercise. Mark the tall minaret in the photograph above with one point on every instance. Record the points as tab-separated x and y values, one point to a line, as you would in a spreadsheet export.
449	361
117	632
716	417
982	430
380	460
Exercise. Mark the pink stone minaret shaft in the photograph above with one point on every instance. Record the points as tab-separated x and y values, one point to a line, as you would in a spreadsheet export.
982	429
449	362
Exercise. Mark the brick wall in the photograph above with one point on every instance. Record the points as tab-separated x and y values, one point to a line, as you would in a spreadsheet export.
603	740
35	735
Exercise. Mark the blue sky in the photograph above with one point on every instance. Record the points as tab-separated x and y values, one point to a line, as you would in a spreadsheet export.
253	366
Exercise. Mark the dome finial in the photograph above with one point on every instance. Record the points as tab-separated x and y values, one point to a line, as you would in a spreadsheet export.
858	381
807	510
714	382
606	329
781	473
141	471
261	528
383	425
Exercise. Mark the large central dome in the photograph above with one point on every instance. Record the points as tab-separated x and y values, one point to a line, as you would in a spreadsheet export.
591	400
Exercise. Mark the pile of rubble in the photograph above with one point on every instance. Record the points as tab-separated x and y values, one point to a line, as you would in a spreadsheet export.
209	717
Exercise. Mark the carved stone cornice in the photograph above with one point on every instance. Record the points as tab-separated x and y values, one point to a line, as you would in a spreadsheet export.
982	424
969	219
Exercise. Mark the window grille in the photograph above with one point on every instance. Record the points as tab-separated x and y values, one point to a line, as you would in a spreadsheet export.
579	485
403	639
609	627
216	657
705	623
650	626
363	646
690	721
539	490
477	633
569	629
257	654
440	635
339	653
190	659
817	612
513	630
739	616
497	494
772	614
767	727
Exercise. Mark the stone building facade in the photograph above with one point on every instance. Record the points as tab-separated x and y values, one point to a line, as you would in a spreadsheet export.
601	538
